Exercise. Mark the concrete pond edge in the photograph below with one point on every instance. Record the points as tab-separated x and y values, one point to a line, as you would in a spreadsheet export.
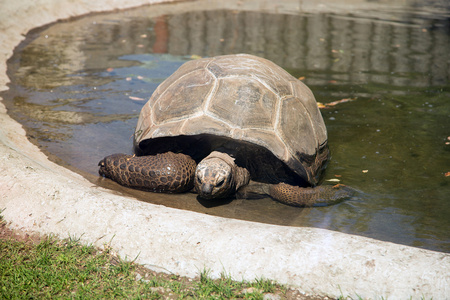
40	196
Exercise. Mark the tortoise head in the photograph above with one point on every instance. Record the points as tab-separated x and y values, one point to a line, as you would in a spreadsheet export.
214	178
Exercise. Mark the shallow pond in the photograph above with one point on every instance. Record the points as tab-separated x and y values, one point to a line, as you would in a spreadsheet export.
78	87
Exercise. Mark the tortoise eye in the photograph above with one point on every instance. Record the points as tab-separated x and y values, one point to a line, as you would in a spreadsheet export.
220	183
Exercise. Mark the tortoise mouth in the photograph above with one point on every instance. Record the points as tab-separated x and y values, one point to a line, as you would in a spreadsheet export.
209	192
208	195
247	155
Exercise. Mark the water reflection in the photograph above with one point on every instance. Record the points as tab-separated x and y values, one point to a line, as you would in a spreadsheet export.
347	49
78	88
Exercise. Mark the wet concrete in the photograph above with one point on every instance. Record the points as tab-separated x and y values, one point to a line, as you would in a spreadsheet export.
38	195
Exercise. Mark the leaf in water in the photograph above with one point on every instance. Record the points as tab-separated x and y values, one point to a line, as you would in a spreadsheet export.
333	180
136	98
334	103
447	174
301	78
321	105
365	171
194	56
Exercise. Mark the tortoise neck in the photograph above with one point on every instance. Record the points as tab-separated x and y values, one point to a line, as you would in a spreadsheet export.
223	155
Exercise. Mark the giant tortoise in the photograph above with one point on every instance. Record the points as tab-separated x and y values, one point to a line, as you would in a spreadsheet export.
217	123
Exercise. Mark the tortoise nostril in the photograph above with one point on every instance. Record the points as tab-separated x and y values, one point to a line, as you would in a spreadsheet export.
206	189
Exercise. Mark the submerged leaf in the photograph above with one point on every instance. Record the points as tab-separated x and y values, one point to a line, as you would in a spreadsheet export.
333	180
136	98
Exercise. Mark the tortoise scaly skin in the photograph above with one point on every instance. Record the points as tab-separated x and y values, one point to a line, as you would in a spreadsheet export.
168	172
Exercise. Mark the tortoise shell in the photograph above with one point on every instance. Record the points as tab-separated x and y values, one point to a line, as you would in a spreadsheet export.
243	98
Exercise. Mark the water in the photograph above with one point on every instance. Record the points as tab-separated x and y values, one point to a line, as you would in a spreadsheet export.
78	88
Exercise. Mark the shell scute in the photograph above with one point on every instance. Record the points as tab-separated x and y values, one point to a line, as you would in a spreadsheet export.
305	95
204	125
244	95
184	98
295	121
262	70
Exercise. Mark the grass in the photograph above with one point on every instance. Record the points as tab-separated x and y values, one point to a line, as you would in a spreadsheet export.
62	269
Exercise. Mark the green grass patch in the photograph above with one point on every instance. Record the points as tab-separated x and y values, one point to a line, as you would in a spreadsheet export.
66	269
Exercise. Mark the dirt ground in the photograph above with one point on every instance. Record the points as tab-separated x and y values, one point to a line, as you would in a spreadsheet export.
7	233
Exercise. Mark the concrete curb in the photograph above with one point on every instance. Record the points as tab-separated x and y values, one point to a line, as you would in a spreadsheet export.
40	196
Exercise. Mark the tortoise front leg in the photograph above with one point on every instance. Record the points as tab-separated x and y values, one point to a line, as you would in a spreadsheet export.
167	172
